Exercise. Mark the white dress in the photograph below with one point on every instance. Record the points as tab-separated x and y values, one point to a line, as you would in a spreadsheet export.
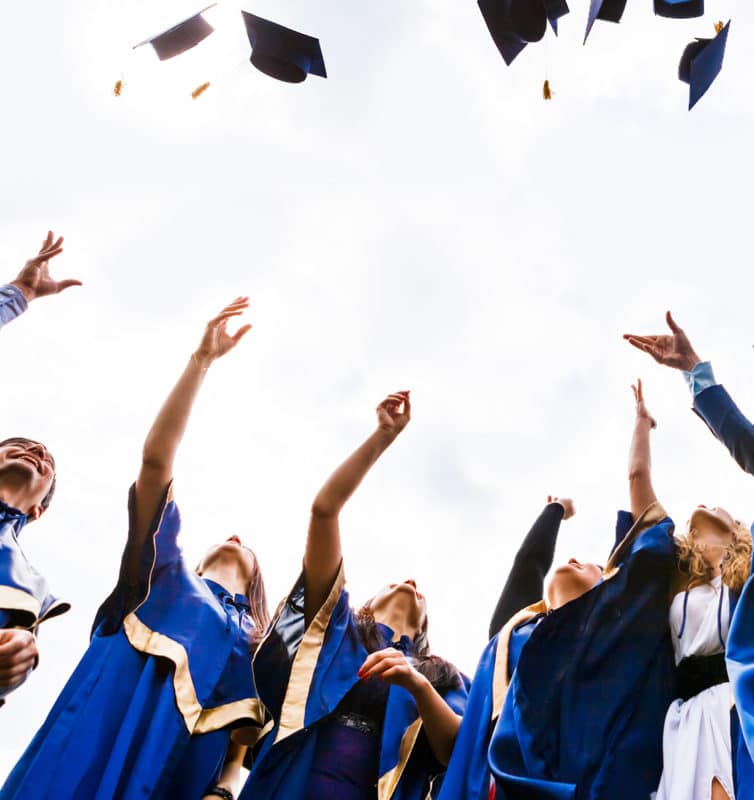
696	738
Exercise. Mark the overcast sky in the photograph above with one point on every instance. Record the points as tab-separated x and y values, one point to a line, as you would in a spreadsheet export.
421	219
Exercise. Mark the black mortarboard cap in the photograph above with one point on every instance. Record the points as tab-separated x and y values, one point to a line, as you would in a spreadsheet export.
181	37
701	63
607	10
515	23
283	53
679	9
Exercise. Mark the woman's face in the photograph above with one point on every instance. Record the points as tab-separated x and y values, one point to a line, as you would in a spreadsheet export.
571	580
231	549
713	530
405	595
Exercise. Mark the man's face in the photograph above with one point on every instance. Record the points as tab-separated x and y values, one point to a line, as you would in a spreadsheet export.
29	464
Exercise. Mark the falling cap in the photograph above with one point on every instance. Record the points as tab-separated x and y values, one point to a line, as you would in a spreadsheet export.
515	23
701	63
607	10
180	37
283	53
679	9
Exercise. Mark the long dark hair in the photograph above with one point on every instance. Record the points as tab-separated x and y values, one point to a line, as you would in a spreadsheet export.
443	675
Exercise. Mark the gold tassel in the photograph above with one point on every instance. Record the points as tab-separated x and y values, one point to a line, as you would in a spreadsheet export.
200	90
719	26
546	91
118	88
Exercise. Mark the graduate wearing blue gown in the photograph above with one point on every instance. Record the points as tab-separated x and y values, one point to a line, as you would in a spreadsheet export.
27	484
167	675
591	669
713	404
361	710
468	773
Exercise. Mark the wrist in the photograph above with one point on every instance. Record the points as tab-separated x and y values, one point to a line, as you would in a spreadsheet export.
421	686
202	361
690	362
25	290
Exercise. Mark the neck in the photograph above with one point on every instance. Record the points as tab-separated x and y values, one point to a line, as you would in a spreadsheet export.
558	599
13	492
396	618
228	575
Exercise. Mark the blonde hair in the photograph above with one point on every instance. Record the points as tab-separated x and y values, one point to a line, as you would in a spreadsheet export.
735	560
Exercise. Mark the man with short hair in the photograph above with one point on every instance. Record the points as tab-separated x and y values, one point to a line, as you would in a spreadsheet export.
27	483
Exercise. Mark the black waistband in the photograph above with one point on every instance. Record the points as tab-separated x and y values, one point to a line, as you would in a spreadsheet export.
697	673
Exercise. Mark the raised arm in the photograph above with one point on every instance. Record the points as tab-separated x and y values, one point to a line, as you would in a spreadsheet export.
167	430
639	460
711	402
323	554
525	582
33	281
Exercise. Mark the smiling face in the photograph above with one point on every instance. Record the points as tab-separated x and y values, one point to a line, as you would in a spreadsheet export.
28	469
571	580
403	596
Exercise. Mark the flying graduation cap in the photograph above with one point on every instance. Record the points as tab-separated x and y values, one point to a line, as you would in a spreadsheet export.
283	53
701	63
515	23
180	37
607	10
679	9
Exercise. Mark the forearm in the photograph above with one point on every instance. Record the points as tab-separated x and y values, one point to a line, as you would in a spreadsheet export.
440	722
345	480
322	556
13	303
640	487
230	775
168	429
525	582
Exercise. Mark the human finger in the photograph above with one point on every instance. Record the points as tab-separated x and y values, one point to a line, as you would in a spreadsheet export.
672	324
643	339
240	333
67	283
378	669
16	643
223	317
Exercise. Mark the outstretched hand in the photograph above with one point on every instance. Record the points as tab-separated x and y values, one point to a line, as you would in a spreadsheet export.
569	508
216	341
671	350
641	407
394	413
34	279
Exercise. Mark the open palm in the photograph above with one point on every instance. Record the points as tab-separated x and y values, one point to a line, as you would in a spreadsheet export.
671	350
216	341
35	280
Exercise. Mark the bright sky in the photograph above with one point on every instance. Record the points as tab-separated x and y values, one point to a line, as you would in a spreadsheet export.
421	219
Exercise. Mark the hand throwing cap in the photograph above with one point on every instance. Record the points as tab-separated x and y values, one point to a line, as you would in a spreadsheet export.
701	63
514	23
180	37
281	52
608	10
679	9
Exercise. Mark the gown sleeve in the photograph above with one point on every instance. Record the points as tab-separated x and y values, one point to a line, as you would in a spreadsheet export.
525	583
142	561
723	417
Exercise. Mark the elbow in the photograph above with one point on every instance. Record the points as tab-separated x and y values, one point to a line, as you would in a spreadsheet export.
324	509
153	461
639	473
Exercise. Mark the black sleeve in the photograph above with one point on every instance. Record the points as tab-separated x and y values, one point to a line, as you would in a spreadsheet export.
525	584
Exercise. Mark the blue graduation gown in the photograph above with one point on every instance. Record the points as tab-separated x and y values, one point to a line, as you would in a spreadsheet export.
468	773
584	712
302	675
716	407
148	711
25	598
